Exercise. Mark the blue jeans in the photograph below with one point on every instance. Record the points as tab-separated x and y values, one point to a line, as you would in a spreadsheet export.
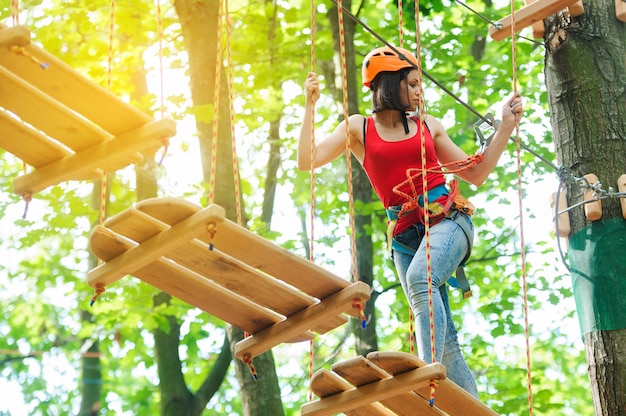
448	247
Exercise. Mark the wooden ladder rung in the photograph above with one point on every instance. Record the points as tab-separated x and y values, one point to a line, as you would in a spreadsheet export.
47	115
63	84
360	371
449	397
325	383
526	16
200	258
109	155
398	381
28	144
14	36
73	129
312	316
169	243
151	249
266	256
277	261
375	391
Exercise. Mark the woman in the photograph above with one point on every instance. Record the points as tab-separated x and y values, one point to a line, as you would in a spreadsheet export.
387	144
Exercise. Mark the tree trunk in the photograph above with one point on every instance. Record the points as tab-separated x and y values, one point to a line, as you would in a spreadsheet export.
91	370
199	26
366	340
259	397
586	83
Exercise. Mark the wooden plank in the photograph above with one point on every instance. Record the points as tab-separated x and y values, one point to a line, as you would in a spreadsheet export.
196	289
448	397
28	144
14	36
335	304
360	371
324	383
168	210
45	114
224	270
277	261
240	278
138	224
64	84
135	225
106	244
257	252
206	295
109	155
376	391
153	248
526	16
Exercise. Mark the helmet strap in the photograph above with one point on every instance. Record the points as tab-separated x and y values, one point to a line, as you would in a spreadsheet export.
405	123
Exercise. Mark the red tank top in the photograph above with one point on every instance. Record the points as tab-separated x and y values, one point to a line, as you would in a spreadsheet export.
386	163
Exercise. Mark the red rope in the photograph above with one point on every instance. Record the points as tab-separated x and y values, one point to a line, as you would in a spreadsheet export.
312	195
346	115
429	272
232	121
521	220
15	12
104	180
248	361
160	35
216	102
413	173
400	24
161	77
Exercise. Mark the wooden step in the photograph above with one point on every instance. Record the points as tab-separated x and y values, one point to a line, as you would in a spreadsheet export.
61	123
398	381
527	16
178	247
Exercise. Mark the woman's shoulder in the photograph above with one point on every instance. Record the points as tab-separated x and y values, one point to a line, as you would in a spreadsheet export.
357	118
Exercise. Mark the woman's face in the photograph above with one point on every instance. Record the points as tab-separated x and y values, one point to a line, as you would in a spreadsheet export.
411	87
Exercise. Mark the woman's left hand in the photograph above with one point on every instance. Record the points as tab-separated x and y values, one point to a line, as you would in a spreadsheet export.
513	110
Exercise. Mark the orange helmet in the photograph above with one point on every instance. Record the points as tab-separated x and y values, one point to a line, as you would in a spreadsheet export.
386	59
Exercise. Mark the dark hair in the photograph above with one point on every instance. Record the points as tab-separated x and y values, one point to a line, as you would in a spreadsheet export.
386	94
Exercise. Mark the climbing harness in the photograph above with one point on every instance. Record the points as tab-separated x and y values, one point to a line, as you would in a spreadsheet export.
454	210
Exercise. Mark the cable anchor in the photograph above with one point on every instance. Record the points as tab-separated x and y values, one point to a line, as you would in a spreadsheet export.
485	129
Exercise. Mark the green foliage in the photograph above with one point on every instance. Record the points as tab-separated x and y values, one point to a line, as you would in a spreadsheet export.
43	290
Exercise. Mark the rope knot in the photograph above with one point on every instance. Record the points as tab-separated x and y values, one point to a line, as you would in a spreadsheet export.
99	289
211	228
356	303
247	359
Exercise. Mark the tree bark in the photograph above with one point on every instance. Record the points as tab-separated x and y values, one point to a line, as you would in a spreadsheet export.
259	397
606	357
366	340
586	83
199	26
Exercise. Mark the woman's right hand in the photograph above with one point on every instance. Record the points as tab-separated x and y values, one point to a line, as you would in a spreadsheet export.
312	88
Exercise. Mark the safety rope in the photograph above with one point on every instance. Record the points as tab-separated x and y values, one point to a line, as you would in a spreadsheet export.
401	44
99	289
312	195
237	184
400	24
161	77
521	216
216	102
413	173
426	220
346	115
223	15
15	12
